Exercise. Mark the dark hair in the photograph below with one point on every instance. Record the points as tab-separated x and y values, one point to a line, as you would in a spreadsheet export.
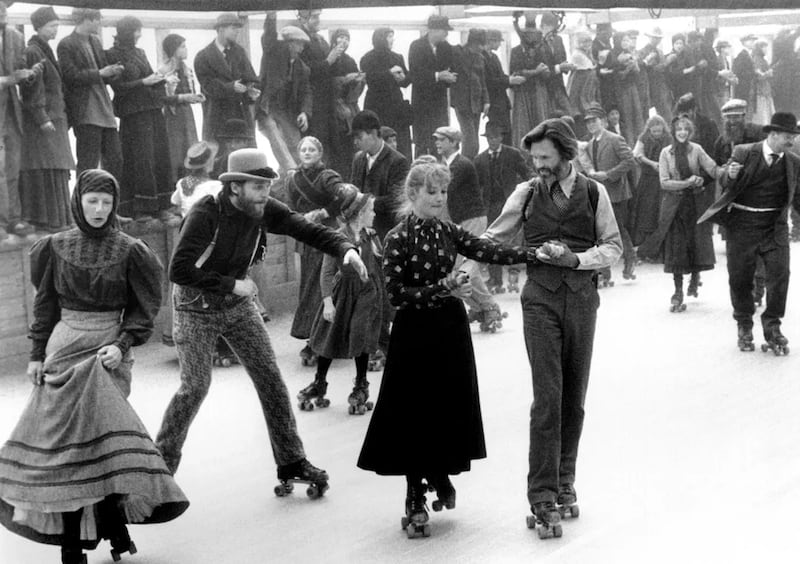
127	27
559	133
171	44
80	15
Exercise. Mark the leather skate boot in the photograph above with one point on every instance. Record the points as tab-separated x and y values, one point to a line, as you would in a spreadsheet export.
567	501
313	394
358	398
416	510
545	519
776	342
745	338
445	492
694	284
304	472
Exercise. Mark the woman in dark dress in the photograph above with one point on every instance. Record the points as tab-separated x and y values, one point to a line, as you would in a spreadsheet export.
688	247
178	115
681	69
147	180
647	152
46	155
318	192
531	100
626	79
80	464
348	84
430	357
386	76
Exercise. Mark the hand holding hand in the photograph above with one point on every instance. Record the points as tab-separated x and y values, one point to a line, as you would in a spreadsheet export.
246	288
352	258
36	372
516	79
557	254
733	170
110	357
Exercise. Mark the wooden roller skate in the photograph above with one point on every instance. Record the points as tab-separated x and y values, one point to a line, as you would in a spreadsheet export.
302	472
308	357
313	394
604	278
546	520
776	342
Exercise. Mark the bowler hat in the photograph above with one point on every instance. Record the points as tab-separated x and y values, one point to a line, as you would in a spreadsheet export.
439	22
235	129
782	122
247	164
366	120
448	132
200	154
476	36
227	18
722	44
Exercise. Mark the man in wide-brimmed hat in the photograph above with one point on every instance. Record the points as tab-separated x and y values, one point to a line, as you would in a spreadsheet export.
220	240
761	184
226	78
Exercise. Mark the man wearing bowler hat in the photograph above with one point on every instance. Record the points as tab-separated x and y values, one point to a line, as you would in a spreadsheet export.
430	68
226	78
214	296
761	184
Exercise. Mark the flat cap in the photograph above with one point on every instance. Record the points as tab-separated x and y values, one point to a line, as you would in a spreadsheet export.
734	107
448	132
294	33
227	18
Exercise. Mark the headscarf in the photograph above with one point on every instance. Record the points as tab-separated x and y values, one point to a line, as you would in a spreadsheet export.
681	150
126	28
171	43
94	180
379	37
337	33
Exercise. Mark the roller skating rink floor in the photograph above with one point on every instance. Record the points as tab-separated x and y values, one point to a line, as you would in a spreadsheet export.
690	451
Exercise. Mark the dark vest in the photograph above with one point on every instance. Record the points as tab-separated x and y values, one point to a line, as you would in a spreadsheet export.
575	228
768	188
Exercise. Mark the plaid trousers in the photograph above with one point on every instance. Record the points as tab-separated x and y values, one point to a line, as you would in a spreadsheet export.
199	320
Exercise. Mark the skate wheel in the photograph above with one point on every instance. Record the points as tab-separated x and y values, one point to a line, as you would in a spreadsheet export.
426	530
351	409
764	348
313	492
785	350
575	511
557	532
542	532
530	521
114	556
371	405
361	409
309	406
323	402
411	531
226	363
280	491
403	522
437	505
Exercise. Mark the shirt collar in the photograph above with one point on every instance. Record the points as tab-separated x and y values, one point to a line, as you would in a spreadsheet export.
500	148
220	46
765	149
600	135
378	152
449	160
568	182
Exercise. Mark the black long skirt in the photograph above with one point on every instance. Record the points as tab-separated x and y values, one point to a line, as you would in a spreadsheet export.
427	418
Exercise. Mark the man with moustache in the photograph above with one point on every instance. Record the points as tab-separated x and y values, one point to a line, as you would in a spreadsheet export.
220	239
761	184
569	219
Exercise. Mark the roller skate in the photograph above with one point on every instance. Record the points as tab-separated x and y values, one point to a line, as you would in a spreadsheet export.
745	342
314	391
676	302
302	472
415	521
445	492
495	286
604	278
308	357
694	284
776	342
545	519
72	556
492	319
358	399
377	361
513	280
121	543
567	502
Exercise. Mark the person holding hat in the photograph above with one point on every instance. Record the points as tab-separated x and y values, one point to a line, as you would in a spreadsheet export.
285	106
349	319
386	75
531	99
181	94
430	65
500	168
139	95
568	220
497	84
227	79
220	239
745	70
85	72
468	94
46	155
761	183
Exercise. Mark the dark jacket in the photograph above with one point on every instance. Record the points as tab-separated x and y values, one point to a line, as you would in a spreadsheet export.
130	95
284	87
468	94
315	57
745	70
78	74
216	79
615	158
429	97
237	236
12	58
497	87
464	200
749	155
385	181
384	94
509	170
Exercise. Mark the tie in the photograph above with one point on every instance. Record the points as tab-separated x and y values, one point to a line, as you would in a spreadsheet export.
559	198
773	158
226	53
594	154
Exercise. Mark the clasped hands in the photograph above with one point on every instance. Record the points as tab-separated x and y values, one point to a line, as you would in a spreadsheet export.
556	253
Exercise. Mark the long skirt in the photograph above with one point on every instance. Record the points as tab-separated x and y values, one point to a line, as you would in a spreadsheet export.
147	181
427	418
531	107
688	247
181	133
79	440
310	294
44	195
648	206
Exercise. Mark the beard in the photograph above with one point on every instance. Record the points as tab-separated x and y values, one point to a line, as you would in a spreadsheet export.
733	132
253	208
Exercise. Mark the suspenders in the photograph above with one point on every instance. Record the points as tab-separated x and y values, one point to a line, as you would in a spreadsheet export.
201	260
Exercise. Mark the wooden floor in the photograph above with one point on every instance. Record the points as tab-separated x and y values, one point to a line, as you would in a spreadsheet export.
690	453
